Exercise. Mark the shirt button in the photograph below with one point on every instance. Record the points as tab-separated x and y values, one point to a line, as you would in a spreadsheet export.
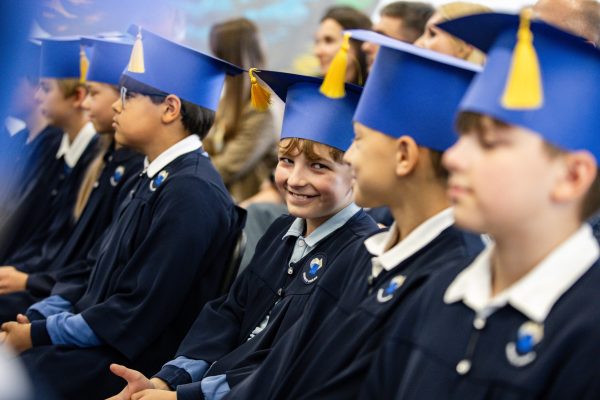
280	292
96	184
479	323
463	367
290	271
301	243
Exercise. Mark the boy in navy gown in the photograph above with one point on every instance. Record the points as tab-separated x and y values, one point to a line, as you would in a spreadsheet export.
102	190
403	123
297	250
520	321
47	209
165	254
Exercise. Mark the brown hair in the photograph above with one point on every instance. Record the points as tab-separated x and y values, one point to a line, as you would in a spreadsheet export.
470	121
414	15
236	41
351	18
292	146
69	86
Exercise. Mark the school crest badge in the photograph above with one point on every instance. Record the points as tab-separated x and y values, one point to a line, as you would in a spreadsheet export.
117	175
158	180
521	351
311	271
385	294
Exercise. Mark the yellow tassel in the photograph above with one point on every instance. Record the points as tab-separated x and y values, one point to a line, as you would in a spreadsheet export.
333	84
524	84
260	96
84	65
136	62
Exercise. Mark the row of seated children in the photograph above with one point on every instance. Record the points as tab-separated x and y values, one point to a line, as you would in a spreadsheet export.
306	331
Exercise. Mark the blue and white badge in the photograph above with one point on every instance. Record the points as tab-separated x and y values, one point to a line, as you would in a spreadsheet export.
521	352
311	271
117	175
387	293
158	180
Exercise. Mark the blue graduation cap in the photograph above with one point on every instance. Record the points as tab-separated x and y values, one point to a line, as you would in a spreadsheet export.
413	91
311	115
108	58
30	64
60	58
569	72
176	69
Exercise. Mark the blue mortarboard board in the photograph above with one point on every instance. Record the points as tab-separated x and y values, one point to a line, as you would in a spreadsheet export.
412	91
180	70
311	115
570	77
108	58
60	58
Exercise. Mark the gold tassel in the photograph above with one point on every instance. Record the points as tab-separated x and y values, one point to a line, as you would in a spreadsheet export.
136	62
260	96
333	84
84	65
524	84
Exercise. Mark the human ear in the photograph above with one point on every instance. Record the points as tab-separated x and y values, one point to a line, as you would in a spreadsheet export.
578	173
172	109
407	155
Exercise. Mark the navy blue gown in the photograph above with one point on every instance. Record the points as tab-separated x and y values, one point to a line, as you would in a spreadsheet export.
159	262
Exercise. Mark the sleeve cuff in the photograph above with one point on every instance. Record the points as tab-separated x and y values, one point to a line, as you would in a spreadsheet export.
34	315
39	334
191	391
173	376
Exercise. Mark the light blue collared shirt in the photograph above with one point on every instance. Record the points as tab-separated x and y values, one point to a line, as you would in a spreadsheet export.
305	245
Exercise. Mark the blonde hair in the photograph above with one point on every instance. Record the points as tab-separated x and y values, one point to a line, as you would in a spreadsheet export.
69	86
91	176
457	9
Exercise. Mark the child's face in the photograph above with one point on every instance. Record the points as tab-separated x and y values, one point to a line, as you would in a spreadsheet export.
53	103
372	157
313	189
438	40
98	104
500	178
136	120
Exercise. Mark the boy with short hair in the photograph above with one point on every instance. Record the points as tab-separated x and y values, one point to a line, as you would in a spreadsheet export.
519	321
100	193
47	208
396	158
166	253
234	332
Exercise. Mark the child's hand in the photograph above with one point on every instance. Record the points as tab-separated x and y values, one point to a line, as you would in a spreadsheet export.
12	280
136	382
154	394
16	335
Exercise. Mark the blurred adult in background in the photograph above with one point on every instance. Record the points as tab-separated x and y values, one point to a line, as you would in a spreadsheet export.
329	36
402	20
242	142
436	39
581	17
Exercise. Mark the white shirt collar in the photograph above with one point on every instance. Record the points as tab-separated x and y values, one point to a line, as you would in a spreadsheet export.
535	294
184	146
73	151
14	125
415	241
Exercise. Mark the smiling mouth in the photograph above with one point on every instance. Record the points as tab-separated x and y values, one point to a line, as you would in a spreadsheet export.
301	196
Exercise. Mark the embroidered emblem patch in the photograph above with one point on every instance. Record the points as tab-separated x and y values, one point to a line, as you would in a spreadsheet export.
117	175
311	272
385	294
158	180
521	352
